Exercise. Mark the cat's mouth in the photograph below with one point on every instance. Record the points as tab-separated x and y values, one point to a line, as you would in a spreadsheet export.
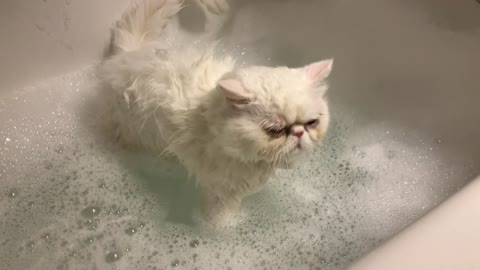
300	147
297	148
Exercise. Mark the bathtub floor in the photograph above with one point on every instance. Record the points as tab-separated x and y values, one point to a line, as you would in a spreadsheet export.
69	202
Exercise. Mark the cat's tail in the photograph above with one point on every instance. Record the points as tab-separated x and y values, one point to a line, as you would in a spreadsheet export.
141	23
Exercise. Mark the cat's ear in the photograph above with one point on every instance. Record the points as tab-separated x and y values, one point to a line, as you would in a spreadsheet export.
319	71
235	92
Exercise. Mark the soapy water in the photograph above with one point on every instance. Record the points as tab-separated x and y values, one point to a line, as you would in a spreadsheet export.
70	202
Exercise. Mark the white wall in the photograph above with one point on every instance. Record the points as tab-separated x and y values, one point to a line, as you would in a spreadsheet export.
42	38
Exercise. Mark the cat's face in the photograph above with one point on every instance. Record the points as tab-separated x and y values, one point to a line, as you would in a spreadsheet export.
275	113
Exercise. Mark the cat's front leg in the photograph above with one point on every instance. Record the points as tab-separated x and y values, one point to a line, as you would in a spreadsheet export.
219	205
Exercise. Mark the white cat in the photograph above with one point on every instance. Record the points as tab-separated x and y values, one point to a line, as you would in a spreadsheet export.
230	127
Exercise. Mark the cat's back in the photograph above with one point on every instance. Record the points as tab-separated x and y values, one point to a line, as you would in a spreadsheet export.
197	71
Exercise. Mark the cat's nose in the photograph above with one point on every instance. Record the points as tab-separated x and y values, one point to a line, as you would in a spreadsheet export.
297	130
299	134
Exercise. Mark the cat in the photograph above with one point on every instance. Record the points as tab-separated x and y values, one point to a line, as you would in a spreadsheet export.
231	127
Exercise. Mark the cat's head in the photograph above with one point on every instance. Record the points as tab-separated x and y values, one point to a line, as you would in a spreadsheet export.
272	114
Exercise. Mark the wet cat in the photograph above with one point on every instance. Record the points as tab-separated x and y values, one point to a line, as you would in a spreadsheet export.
231	127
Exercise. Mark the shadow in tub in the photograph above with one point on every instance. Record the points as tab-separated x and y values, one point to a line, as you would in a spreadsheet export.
170	181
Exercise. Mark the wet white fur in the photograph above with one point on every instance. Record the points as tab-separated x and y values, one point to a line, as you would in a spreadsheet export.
173	102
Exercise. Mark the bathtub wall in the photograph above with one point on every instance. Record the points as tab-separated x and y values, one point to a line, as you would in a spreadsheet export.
43	38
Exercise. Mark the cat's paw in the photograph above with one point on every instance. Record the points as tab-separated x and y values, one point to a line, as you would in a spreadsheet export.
216	214
219	214
221	218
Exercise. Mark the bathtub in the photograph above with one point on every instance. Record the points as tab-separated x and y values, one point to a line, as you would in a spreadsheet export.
393	186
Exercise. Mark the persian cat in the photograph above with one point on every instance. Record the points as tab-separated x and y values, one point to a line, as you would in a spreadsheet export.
231	127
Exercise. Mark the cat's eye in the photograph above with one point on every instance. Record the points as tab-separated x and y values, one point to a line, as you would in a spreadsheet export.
312	123
276	132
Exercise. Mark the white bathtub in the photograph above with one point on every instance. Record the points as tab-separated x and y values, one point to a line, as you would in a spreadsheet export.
405	93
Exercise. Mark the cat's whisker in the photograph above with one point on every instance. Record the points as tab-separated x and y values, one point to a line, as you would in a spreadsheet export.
167	151
269	165
148	116
271	161
164	153
277	156
154	113
144	102
143	124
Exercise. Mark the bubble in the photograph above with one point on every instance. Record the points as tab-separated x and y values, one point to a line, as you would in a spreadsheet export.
131	231
48	165
59	149
112	256
31	244
194	243
90	212
12	194
175	263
